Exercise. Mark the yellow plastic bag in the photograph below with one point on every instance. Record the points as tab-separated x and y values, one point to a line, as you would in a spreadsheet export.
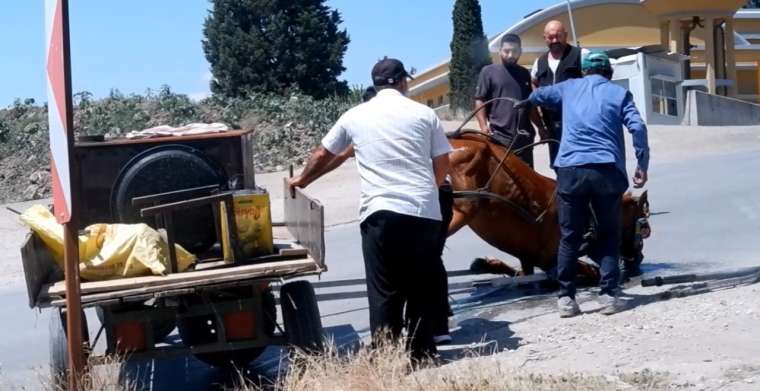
108	251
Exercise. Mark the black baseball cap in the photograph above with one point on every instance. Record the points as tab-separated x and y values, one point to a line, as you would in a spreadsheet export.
388	71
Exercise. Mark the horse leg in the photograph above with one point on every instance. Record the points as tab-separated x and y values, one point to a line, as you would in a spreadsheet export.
459	219
527	266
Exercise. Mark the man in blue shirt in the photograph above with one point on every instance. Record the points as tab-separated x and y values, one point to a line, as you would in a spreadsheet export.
591	171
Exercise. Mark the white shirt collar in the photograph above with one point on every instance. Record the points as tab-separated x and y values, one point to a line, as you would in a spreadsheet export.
389	92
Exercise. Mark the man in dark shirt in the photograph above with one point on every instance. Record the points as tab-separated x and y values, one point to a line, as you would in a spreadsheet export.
560	63
505	80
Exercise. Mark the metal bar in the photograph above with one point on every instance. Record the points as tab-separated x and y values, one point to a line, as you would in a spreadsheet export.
186	204
687	278
177	194
169	220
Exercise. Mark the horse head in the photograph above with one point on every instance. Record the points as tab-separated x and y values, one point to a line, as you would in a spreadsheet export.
635	227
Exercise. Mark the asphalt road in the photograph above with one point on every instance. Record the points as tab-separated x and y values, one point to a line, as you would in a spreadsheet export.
706	216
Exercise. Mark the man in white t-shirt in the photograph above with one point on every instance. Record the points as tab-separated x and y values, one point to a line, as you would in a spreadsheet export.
402	156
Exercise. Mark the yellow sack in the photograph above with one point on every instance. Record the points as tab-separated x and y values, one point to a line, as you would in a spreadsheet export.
108	251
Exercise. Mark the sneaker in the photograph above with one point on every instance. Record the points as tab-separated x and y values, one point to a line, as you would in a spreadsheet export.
442	339
567	307
610	304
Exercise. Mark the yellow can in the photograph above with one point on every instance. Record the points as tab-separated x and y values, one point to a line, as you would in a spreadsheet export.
254	224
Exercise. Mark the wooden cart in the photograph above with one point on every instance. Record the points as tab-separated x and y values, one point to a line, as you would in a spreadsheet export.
225	312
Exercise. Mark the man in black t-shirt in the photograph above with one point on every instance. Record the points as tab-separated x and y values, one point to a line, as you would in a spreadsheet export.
510	80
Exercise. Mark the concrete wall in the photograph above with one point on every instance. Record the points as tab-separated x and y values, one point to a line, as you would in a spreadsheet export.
703	109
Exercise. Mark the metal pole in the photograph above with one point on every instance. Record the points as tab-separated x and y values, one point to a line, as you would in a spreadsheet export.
572	22
65	173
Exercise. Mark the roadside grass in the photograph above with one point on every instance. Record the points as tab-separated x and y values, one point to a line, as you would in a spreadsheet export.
387	367
105	376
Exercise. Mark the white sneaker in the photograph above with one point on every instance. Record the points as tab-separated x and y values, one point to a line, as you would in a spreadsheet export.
610	304
567	307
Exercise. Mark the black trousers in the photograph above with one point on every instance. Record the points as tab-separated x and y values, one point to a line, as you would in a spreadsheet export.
601	186
446	199
401	261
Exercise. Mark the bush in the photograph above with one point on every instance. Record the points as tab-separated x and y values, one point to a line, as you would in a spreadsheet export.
286	128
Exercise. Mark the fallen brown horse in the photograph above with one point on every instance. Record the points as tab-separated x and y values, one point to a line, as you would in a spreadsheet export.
513	208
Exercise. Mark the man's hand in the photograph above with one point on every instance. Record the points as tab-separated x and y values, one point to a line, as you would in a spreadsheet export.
296	181
486	129
639	178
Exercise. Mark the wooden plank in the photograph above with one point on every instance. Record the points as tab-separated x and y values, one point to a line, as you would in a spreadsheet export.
162	139
39	267
305	219
150	283
182	287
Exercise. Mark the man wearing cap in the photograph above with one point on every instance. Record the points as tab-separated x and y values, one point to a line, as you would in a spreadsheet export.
591	170
402	158
561	62
505	80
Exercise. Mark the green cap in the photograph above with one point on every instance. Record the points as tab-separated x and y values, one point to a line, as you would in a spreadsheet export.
595	59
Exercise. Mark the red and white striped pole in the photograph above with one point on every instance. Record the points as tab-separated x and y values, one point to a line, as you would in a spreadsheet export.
63	171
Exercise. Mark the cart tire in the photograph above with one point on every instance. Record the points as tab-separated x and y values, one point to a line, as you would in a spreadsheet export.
300	313
59	358
194	331
161	328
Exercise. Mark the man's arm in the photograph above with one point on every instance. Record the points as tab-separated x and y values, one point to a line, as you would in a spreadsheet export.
337	161
481	116
440	168
550	96
482	95
319	159
632	120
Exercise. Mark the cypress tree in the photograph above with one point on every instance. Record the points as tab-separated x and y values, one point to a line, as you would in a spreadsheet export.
273	45
469	53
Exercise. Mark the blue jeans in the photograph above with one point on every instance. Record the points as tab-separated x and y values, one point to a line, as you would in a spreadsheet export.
579	189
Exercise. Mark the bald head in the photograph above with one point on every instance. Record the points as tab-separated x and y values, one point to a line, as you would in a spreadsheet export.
555	36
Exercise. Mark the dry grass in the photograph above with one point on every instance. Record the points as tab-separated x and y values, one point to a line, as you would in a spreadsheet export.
387	368
105	376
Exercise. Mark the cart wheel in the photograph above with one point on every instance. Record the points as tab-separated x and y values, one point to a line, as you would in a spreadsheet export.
300	313
161	327
59	357
199	330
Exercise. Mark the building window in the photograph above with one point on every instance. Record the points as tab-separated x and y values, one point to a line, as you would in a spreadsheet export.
664	97
430	103
440	100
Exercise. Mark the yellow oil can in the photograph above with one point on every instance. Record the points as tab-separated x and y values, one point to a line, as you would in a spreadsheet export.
254	224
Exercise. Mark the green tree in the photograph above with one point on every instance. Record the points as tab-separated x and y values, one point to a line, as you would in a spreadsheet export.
469	53
752	4
275	45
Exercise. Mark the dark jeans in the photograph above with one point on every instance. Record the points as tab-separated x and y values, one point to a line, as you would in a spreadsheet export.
400	259
446	199
601	187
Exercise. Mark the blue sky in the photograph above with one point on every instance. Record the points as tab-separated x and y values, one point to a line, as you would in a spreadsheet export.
139	44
